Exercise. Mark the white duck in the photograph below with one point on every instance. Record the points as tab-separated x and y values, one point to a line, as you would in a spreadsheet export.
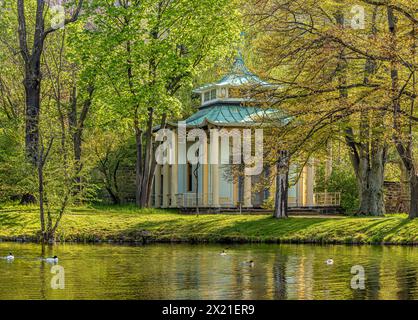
329	262
223	253
52	260
10	257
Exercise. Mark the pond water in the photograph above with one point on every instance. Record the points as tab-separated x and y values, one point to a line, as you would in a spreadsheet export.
199	272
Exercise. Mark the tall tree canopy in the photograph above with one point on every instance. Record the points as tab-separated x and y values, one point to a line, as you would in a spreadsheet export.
345	71
150	50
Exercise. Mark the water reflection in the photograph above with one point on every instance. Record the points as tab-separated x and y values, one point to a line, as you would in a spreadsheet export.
200	272
279	277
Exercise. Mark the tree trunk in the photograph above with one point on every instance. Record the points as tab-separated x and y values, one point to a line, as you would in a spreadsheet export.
152	159
77	126
404	201
113	196
32	62
77	159
32	84
282	186
41	198
148	158
42	157
403	142
32	80
73	121
371	196
368	151
413	210
370	179
138	166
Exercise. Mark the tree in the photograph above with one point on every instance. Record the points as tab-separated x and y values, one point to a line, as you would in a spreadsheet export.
153	48
55	167
31	56
282	186
329	83
403	130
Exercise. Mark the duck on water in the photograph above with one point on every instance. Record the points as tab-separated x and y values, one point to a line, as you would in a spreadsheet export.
9	257
54	259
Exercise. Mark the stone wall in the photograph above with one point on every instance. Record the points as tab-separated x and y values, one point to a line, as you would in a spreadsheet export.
396	197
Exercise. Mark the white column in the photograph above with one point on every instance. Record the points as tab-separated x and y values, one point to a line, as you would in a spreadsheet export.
247	192
205	174
174	185
215	184
300	191
157	184
309	184
214	168
174	176
166	183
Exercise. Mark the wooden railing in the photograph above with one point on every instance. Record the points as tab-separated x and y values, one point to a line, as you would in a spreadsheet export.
327	199
188	200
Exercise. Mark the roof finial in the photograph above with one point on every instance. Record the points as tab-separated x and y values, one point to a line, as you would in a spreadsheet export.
239	66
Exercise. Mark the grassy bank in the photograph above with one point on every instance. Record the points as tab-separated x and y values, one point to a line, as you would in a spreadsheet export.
130	224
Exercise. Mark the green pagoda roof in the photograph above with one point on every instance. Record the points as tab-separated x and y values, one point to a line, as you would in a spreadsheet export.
238	76
232	115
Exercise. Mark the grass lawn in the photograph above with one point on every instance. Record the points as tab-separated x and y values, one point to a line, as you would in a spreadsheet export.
126	223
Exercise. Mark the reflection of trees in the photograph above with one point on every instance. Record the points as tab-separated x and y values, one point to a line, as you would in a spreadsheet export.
42	276
279	274
406	277
373	281
188	277
244	284
240	281
198	272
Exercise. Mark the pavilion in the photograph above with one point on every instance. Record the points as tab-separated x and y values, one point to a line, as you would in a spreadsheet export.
224	104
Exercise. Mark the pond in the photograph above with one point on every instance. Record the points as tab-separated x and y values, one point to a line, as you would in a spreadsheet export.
179	271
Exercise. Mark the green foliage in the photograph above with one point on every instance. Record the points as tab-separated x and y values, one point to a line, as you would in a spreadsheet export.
112	153
170	44
15	173
164	44
342	180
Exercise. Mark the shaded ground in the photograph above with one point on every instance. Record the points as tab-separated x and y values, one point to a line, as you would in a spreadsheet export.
130	224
